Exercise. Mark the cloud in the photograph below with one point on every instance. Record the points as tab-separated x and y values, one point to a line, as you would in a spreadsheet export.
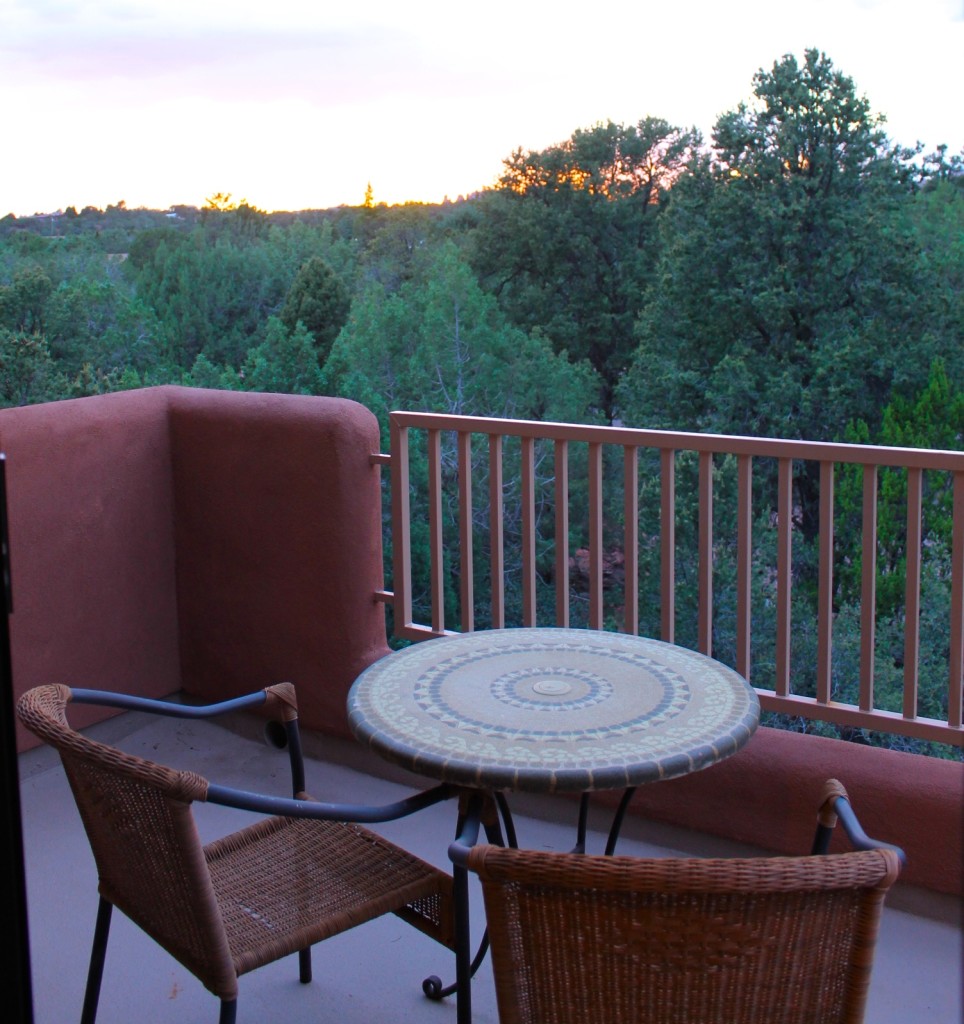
423	98
135	55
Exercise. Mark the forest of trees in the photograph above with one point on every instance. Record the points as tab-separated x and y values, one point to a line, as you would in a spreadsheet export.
798	275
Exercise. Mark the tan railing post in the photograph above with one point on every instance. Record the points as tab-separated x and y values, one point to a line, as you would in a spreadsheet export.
955	681
466	565
825	587
706	554
401	529
595	537
631	539
496	532
915	484
527	461
784	565
667	544
744	569
436	558
561	470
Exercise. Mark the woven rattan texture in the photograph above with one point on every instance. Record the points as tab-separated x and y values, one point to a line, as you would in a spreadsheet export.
767	940
284	884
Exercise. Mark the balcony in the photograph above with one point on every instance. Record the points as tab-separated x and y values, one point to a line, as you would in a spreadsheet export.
373	972
172	541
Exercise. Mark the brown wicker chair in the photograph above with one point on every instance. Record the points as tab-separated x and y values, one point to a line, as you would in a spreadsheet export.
768	940
273	888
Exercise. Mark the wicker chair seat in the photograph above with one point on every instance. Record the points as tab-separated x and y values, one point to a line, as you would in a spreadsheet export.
284	884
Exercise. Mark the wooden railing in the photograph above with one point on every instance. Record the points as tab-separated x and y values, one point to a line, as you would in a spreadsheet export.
450	442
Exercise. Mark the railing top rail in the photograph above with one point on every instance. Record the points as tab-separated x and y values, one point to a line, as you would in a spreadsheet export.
676	440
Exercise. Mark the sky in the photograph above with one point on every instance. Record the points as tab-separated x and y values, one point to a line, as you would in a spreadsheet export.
299	104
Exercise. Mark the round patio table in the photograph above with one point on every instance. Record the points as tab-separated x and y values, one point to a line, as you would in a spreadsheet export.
546	711
551	710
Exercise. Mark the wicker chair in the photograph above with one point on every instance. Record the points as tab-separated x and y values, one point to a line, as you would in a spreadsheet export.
273	888
768	940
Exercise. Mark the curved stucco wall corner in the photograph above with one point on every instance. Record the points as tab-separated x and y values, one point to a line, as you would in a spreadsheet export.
278	546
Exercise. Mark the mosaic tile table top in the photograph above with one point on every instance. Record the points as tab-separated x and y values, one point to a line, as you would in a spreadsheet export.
551	710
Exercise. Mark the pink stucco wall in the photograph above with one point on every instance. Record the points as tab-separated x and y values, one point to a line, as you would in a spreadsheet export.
278	540
172	538
92	545
767	795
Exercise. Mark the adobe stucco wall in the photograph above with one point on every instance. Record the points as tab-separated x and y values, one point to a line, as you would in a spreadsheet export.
92	545
278	540
767	795
172	538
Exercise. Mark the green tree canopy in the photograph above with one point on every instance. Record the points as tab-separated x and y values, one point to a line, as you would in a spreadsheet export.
785	296
318	299
23	303
808	126
28	374
211	293
567	240
285	362
441	343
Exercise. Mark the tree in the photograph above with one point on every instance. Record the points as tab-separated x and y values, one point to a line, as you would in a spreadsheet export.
28	374
440	343
933	418
809	127
220	201
211	292
286	362
23	304
567	241
937	221
395	239
242	222
204	374
319	300
785	298
98	321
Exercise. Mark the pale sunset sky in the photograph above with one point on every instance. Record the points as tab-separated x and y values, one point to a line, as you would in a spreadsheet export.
292	104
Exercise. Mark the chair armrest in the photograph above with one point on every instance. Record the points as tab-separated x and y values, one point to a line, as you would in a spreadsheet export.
835	806
128	702
279	701
306	807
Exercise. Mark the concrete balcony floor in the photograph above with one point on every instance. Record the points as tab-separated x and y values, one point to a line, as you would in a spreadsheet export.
374	972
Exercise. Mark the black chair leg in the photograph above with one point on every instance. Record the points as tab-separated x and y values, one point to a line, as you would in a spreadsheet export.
97	954
229	1011
304	965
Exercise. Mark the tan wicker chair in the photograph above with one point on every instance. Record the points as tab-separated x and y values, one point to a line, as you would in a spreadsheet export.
273	888
614	940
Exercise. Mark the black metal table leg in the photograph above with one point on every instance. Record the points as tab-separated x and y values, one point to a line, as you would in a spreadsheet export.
580	846
510	837
618	820
479	813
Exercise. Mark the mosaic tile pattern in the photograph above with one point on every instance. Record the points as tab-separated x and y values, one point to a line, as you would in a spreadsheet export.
551	710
